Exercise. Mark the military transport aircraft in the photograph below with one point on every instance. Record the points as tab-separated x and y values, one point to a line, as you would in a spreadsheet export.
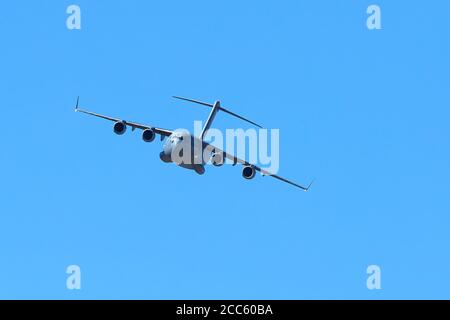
176	138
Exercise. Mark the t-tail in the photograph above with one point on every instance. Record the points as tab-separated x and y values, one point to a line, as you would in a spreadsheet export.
215	108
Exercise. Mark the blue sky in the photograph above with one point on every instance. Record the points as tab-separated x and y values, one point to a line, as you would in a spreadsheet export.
364	112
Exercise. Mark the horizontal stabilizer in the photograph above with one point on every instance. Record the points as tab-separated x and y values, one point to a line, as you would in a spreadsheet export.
220	108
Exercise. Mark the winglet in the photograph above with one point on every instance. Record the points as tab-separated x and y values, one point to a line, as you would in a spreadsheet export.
78	100
309	186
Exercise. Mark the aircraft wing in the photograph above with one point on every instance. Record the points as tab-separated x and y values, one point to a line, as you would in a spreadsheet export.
262	171
133	125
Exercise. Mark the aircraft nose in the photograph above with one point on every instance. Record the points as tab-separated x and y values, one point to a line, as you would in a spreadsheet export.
164	157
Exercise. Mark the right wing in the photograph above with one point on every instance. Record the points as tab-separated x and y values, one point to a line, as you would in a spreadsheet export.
133	125
263	172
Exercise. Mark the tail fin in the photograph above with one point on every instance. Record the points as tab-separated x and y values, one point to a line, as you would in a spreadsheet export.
219	108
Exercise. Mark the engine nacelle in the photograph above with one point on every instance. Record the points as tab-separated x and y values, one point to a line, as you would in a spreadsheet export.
248	172
148	135
217	159
120	127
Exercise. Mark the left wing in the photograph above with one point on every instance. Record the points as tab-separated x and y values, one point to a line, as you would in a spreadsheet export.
133	125
262	171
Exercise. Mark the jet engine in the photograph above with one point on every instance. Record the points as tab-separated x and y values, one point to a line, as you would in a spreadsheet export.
217	159
120	127
248	172
148	135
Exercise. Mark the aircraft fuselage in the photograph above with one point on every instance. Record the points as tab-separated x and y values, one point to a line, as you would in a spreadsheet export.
178	144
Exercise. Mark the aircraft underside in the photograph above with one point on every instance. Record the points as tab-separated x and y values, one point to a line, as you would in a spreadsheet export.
198	168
